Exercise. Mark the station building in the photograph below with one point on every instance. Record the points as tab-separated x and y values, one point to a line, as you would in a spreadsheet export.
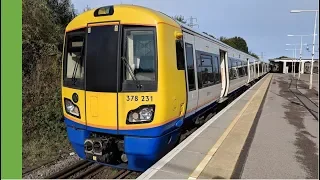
287	65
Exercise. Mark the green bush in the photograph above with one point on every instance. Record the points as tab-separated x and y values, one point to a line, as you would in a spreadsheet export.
44	134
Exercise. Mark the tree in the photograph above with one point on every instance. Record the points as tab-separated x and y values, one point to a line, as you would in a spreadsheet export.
180	19
282	57
63	11
239	44
253	54
222	38
236	42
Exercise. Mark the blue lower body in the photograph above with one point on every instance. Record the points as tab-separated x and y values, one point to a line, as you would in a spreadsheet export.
142	151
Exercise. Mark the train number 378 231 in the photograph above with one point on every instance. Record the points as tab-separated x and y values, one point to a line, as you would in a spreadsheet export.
139	98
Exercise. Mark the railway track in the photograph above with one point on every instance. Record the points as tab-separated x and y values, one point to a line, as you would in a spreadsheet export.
31	169
121	174
306	101
71	170
85	170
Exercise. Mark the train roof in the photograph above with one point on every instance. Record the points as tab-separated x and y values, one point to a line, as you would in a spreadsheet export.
214	40
128	14
138	15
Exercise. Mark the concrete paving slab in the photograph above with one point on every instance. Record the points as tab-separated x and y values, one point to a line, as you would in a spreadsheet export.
211	133
183	163
239	105
201	144
225	119
168	175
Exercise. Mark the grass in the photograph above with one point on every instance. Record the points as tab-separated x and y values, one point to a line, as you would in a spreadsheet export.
44	132
43	149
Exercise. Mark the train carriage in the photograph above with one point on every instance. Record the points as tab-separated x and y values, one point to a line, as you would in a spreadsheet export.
133	77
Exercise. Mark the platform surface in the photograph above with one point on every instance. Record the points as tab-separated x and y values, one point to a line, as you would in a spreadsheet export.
267	132
315	80
285	144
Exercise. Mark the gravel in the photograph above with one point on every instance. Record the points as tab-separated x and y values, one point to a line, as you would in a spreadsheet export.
133	175
49	169
82	171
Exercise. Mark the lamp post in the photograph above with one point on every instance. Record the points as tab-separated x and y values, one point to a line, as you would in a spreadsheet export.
314	39
300	56
294	55
300	51
315	50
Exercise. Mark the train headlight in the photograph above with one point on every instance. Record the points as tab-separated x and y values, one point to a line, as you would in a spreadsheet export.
143	114
71	108
146	114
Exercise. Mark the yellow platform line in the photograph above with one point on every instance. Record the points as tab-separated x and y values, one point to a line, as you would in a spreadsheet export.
195	174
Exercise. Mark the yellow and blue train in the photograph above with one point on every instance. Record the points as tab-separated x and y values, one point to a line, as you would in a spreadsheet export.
133	77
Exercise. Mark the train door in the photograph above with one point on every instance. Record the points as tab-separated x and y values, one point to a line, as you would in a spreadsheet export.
192	87
252	71
224	73
258	64
248	70
101	75
256	69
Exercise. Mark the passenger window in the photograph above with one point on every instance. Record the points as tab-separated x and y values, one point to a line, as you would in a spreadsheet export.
190	66
246	69
180	55
231	76
246	66
216	69
242	68
206	61
234	69
239	68
205	72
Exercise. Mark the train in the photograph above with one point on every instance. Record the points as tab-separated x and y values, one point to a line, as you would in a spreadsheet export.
133	77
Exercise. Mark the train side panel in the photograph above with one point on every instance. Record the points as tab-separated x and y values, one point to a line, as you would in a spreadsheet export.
191	73
237	77
209	88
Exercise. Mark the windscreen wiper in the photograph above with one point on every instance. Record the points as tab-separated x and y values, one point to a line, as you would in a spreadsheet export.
124	60
73	78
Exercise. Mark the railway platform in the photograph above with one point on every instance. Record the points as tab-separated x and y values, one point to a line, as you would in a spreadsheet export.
270	131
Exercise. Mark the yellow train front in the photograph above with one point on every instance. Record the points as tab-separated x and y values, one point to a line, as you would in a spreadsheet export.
123	85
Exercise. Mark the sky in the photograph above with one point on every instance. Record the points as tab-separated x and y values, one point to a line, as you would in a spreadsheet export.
264	24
